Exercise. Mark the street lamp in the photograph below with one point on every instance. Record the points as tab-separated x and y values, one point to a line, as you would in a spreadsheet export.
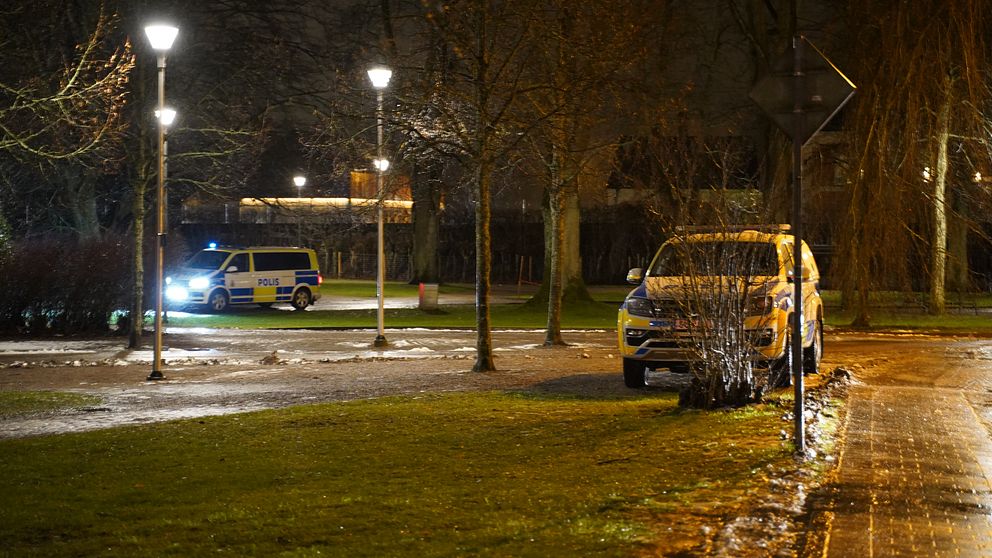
379	75
300	182
161	37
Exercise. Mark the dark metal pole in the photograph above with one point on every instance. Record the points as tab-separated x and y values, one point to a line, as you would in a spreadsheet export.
380	275
156	373
797	235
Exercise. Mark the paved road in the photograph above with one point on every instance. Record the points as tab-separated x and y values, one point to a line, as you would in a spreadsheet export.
915	473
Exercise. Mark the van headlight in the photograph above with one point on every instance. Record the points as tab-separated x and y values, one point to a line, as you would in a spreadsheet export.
640	307
759	305
199	283
176	293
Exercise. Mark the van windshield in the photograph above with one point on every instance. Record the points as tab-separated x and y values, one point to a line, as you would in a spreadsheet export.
208	260
716	258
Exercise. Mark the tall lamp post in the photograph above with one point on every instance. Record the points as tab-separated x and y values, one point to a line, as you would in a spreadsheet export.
379	75
161	37
300	181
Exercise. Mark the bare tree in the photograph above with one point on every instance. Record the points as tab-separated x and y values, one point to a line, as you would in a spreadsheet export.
923	66
60	101
717	287
485	87
583	57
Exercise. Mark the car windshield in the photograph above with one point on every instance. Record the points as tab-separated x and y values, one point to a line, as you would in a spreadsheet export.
715	258
208	260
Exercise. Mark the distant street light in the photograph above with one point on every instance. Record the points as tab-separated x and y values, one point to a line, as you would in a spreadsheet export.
161	38
300	181
379	76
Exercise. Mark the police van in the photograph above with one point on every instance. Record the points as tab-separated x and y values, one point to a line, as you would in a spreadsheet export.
218	277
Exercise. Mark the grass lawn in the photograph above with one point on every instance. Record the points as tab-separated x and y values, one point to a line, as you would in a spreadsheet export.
497	474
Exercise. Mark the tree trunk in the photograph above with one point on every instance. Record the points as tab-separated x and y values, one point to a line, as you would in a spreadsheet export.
553	253
136	313
140	164
938	250
958	271
484	361
426	207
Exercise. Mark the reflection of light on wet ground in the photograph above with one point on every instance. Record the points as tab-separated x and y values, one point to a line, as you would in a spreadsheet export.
527	347
112	418
173	354
54	346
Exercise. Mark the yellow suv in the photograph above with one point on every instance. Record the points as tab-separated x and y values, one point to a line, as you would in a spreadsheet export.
697	279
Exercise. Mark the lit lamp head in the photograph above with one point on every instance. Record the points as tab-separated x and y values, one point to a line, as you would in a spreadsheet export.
167	116
381	165
161	36
379	75
299	180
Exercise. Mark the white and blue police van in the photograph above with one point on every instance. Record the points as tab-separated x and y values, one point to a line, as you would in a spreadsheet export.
216	278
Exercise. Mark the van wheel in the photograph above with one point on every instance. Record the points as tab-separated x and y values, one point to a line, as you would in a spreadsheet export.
217	301
814	353
301	299
634	373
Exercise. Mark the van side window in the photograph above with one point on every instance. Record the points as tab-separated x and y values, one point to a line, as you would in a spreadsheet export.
239	261
272	261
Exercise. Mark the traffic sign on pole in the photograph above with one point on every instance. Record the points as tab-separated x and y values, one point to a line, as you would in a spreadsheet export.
801	94
824	91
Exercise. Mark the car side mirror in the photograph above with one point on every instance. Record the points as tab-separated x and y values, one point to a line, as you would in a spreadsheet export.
231	269
635	276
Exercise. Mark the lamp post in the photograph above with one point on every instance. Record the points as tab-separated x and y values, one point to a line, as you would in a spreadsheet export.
379	76
165	117
299	180
161	37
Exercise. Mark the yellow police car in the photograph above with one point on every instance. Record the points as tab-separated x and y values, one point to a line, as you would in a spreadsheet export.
660	322
215	278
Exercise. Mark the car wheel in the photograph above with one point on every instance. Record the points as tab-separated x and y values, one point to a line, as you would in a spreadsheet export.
217	301
634	373
780	371
301	299
814	353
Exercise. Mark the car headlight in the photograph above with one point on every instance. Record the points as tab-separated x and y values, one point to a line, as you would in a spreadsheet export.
759	305
640	307
199	283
